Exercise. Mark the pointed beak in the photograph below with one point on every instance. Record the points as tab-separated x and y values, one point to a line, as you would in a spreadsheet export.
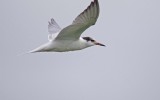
100	44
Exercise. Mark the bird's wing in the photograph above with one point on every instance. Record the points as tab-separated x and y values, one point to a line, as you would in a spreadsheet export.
83	21
53	28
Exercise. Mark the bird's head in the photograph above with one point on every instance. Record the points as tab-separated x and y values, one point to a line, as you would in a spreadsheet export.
92	42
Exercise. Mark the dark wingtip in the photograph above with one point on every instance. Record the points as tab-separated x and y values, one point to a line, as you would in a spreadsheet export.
93	3
96	1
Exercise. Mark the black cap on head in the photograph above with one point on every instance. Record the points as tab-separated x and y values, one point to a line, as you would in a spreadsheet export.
92	40
88	39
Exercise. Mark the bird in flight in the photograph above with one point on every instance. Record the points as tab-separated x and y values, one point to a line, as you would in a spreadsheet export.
69	38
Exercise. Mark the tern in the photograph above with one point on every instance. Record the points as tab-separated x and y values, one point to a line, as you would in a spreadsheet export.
69	38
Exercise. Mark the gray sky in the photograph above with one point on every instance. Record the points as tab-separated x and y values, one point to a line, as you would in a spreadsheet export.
127	69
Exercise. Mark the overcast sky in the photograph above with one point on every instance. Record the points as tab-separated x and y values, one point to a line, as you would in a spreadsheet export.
128	68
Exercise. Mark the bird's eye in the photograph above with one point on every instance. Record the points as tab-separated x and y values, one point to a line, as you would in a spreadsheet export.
92	40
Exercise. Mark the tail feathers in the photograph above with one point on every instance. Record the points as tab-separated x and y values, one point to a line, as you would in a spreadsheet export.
40	49
36	50
33	51
29	52
24	53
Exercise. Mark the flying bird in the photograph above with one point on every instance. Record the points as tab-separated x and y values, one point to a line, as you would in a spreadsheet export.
69	38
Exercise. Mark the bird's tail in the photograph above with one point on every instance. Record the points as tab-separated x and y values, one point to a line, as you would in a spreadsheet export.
39	49
35	50
24	53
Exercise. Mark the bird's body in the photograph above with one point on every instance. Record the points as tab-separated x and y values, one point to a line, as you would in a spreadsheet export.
61	46
68	38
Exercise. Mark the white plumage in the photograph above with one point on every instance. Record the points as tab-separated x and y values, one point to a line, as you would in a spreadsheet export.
68	38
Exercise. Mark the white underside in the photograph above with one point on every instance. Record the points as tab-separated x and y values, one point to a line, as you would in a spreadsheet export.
62	46
68	38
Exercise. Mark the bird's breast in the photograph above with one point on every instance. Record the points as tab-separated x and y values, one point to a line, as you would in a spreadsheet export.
66	45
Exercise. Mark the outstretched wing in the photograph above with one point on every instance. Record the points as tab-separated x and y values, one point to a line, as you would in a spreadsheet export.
83	21
53	28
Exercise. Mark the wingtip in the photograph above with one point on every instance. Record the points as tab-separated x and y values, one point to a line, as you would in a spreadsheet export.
96	1
32	51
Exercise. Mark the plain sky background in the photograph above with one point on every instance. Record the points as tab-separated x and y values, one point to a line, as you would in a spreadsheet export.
128	68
